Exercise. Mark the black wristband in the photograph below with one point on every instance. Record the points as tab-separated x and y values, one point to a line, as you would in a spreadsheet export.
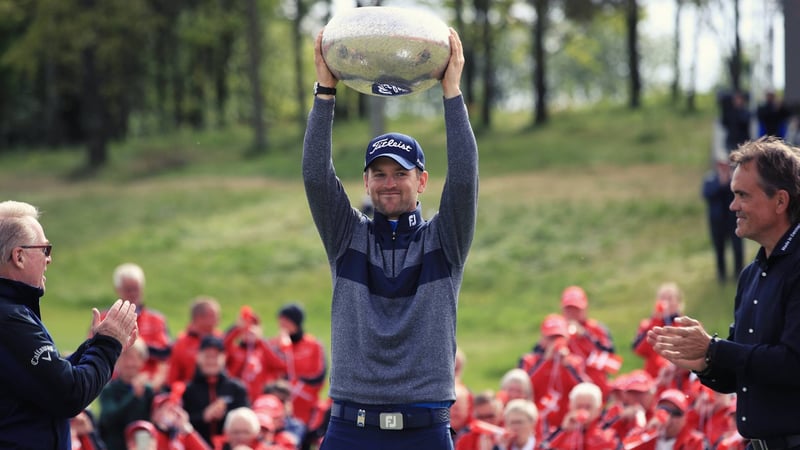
324	90
710	353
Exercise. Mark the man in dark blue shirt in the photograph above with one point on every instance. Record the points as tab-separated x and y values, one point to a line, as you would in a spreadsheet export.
760	359
39	389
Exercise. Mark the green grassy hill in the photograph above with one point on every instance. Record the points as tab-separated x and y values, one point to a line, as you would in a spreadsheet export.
605	198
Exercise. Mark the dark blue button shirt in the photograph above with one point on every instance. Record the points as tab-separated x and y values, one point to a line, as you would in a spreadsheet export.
760	360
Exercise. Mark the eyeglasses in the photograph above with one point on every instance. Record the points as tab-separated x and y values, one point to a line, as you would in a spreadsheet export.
46	248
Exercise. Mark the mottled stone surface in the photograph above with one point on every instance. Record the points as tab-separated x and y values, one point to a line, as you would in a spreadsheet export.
386	51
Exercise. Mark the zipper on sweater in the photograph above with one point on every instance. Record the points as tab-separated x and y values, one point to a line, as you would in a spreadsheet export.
394	250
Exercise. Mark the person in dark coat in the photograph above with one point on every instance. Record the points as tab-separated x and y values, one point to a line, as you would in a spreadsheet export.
212	393
773	116
721	220
127	398
40	389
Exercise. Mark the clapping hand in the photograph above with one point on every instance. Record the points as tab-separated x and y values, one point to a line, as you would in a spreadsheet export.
119	323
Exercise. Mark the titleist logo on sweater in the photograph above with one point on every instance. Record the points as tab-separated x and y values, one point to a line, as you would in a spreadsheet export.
379	144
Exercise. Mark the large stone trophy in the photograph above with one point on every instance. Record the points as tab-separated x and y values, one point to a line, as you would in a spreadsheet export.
386	51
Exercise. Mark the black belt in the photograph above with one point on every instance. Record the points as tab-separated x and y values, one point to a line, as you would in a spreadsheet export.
390	418
778	443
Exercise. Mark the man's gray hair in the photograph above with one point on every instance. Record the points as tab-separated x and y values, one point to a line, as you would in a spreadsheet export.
128	271
245	414
15	228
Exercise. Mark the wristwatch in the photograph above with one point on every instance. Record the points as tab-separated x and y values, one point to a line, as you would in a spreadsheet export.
324	90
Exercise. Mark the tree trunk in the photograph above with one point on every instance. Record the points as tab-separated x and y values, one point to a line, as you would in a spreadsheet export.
254	33
736	59
791	17
177	88
377	118
692	86
676	56
220	69
482	13
297	38
53	126
468	74
633	54
542	8
92	109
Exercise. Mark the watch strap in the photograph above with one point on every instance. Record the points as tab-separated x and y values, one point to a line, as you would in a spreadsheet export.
324	90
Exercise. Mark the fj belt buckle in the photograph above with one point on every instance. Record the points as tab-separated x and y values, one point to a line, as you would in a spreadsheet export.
391	421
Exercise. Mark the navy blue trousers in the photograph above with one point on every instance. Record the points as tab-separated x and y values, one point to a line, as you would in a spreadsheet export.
344	435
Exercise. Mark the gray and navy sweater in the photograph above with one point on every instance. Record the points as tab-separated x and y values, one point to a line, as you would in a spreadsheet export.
395	292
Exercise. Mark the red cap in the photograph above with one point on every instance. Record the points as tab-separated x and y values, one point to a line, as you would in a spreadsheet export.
618	383
269	404
639	381
554	325
138	425
675	397
574	296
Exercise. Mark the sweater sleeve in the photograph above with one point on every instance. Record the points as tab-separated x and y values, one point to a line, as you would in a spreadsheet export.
330	207
60	387
459	204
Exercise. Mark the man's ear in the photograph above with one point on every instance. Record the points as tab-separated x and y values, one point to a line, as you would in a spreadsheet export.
423	182
782	203
16	257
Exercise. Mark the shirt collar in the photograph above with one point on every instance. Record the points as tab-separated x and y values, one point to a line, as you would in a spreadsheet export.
408	221
786	245
21	293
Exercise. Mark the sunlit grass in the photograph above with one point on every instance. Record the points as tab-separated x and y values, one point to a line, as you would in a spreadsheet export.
605	198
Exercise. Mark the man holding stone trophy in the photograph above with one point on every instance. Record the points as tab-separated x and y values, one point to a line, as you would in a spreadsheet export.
396	277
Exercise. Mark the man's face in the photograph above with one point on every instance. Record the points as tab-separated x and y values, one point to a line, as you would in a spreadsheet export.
669	300
130	289
33	259
240	432
514	390
756	213
393	189
208	321
676	421
573	313
520	425
642	398
210	361
586	403
287	326
487	412
129	364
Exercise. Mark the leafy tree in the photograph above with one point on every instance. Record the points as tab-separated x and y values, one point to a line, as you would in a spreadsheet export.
81	59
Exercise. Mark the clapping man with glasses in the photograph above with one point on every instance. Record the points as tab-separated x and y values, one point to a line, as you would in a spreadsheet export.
39	389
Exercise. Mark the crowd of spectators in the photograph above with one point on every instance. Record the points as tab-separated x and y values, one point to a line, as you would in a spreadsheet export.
209	388
236	388
569	393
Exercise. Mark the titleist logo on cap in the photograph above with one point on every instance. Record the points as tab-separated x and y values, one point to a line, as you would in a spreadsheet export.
389	142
